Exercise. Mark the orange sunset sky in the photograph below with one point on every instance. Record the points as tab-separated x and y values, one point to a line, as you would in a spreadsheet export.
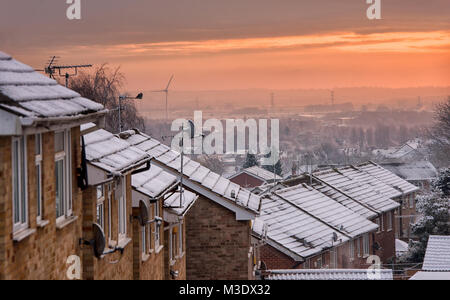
215	45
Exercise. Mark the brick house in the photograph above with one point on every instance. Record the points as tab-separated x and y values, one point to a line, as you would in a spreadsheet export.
40	155
254	177
308	230
406	214
218	226
107	201
160	191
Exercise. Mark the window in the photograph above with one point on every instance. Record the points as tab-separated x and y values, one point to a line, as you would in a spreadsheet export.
123	211
19	181
377	220
351	249
358	247
333	258
144	239
307	264
411	201
180	240
110	211
389	221
173	243
366	244
319	263
157	226
38	162
101	206
63	175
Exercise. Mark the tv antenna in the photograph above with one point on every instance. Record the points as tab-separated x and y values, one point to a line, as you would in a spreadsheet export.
63	70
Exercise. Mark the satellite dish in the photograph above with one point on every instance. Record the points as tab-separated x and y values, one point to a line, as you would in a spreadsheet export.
143	213
99	241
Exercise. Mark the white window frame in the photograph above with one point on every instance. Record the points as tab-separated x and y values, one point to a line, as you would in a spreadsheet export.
180	239
38	169
109	212
101	206
351	248
366	245
377	220
333	258
411	201
66	158
389	220
358	246
122	211
20	143
145	247
157	227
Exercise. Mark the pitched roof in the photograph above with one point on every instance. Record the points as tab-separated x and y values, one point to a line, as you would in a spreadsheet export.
112	154
329	274
374	182
357	190
327	210
260	173
388	177
203	178
416	170
293	231
173	204
29	94
437	255
421	275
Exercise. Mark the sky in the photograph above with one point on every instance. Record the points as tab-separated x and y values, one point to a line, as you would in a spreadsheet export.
239	44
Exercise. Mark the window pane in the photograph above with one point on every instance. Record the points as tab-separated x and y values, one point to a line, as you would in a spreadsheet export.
23	181
59	141
38	190
100	192
38	144
16	182
59	186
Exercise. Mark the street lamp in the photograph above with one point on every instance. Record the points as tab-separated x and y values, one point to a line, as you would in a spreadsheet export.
121	98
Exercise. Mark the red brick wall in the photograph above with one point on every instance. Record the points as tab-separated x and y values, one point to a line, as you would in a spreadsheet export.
217	246
42	255
247	181
274	259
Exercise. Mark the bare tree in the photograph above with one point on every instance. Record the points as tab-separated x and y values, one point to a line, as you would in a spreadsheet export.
440	135
103	85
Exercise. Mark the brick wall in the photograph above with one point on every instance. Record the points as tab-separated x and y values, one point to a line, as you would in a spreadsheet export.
217	245
43	254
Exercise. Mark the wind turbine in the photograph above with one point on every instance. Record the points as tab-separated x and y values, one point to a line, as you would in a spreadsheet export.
166	91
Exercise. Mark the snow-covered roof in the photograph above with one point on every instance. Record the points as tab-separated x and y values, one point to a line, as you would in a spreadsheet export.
29	94
327	210
400	247
345	200
153	182
111	153
421	275
259	173
173	204
295	232
388	177
329	274
375	183
411	171
357	190
437	255
203	178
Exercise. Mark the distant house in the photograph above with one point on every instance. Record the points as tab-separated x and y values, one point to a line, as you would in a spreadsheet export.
419	173
329	274
253	177
108	202
436	264
218	226
306	229
41	204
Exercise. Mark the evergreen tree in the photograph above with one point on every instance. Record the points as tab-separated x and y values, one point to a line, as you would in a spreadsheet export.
250	161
